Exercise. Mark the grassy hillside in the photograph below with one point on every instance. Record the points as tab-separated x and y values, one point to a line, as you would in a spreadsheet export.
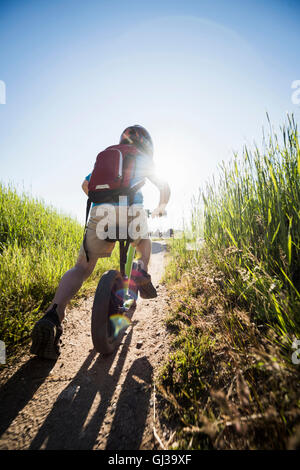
231	381
37	245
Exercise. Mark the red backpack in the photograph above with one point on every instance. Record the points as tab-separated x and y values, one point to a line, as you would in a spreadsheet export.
113	171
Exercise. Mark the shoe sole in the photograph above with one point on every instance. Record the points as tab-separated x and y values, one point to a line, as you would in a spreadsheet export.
146	289
147	295
43	340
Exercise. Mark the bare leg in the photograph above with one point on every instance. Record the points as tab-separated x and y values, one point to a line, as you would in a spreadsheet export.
70	284
144	248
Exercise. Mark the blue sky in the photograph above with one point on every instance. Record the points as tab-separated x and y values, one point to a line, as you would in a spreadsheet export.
199	75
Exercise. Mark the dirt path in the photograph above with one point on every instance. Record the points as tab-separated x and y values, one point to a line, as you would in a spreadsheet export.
85	400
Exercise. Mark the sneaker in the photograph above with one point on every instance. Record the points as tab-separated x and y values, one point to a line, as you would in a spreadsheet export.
46	336
143	282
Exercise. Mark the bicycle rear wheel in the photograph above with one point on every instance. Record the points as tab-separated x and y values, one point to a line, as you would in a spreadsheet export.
105	305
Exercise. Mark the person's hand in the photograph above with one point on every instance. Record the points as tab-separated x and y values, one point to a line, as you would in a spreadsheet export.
160	211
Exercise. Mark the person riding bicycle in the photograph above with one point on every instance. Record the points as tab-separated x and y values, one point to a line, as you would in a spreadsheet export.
48	330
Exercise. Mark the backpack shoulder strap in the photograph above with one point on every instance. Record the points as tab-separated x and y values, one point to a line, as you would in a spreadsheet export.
88	206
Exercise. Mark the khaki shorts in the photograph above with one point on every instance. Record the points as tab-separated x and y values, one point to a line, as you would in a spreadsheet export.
97	227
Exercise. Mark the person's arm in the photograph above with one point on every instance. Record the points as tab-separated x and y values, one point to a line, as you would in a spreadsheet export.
85	186
164	196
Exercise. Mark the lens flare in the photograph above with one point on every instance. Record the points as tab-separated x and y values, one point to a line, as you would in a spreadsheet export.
129	303
128	292
119	323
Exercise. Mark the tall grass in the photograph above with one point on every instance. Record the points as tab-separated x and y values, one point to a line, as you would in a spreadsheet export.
252	227
230	381
37	246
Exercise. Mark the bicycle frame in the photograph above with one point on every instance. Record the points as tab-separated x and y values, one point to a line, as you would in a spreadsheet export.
129	261
127	253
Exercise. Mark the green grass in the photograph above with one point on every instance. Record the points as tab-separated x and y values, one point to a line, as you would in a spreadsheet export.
252	228
37	246
250	219
230	382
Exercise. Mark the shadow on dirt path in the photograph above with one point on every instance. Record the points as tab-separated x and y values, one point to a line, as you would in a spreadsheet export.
20	388
101	402
131	413
67	426
158	248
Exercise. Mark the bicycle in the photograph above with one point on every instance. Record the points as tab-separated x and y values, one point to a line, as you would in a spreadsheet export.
115	295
